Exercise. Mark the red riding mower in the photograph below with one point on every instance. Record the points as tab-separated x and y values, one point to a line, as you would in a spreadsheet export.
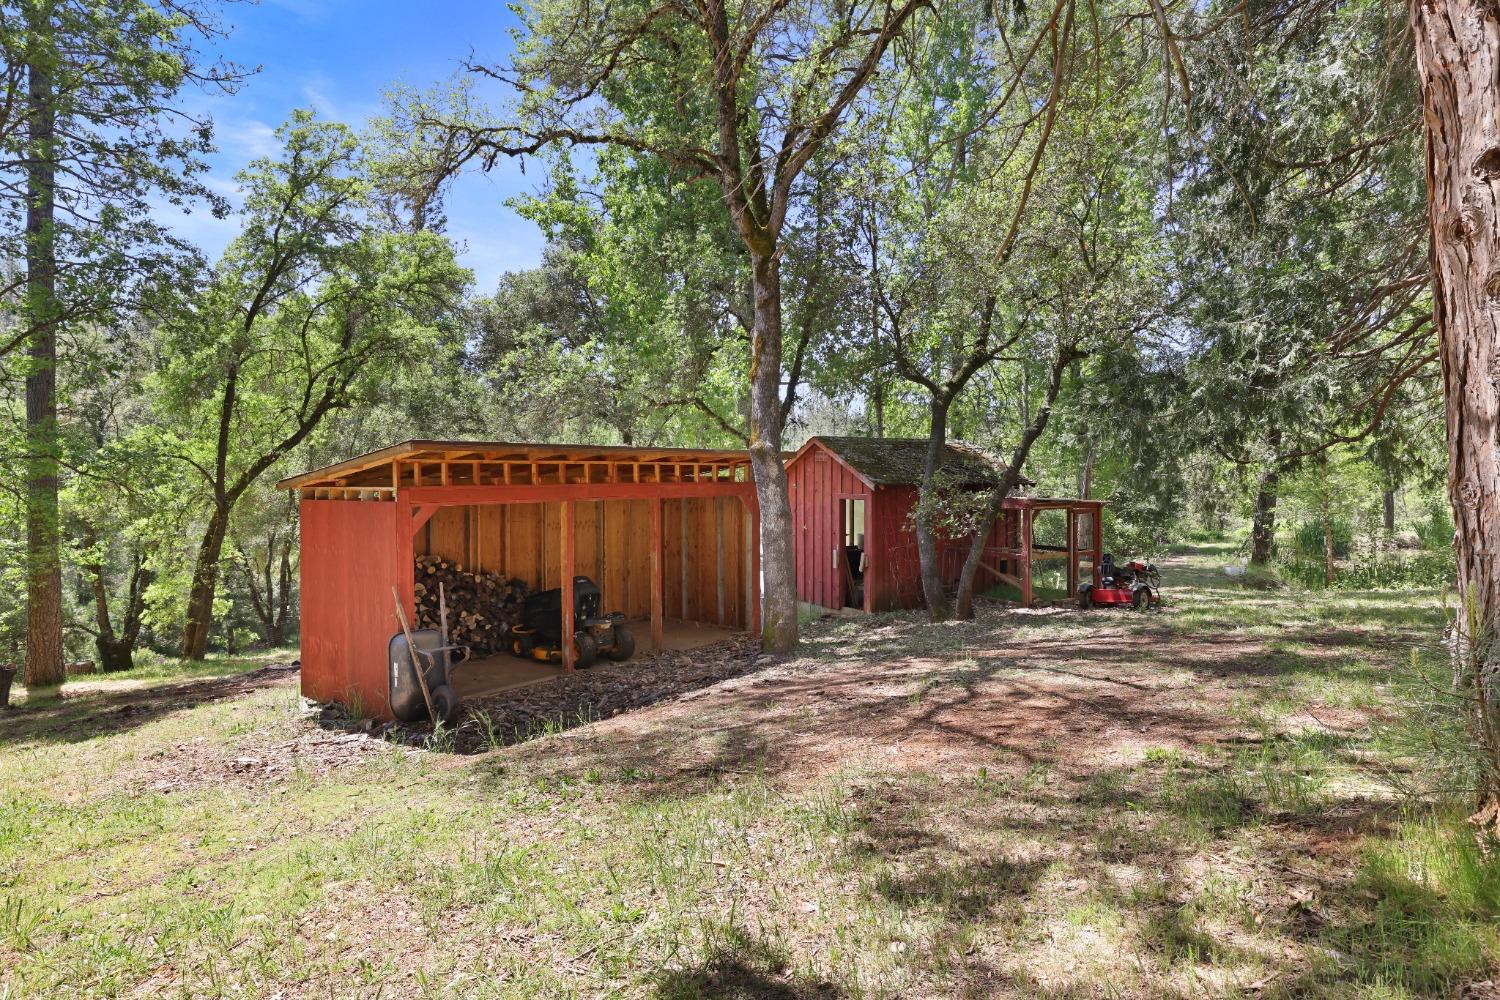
1137	584
541	637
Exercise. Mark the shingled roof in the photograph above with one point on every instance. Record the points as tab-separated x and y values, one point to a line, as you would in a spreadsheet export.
900	461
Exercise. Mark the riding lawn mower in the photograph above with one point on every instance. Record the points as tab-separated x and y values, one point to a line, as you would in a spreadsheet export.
540	638
1135	583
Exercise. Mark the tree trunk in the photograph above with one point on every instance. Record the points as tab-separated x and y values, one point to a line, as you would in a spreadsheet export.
113	654
44	639
1086	474
778	566
964	603
200	609
1033	430
1263	523
1327	511
1458	59
283	610
1388	504
939	608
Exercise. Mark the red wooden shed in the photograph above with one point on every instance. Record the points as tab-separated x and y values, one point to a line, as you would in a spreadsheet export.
852	500
671	535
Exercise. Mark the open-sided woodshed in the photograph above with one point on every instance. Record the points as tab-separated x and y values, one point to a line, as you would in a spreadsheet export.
852	500
670	535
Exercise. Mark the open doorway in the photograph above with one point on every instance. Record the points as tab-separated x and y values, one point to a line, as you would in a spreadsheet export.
854	558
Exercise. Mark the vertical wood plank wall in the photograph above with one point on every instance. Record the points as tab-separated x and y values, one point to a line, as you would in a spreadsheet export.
896	569
349	560
704	542
816	485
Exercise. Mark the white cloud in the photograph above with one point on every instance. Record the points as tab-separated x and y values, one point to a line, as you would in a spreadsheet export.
245	139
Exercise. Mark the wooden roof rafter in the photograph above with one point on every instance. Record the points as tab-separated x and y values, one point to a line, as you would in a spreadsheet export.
407	464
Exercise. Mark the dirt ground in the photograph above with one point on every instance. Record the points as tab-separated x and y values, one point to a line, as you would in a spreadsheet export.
1038	803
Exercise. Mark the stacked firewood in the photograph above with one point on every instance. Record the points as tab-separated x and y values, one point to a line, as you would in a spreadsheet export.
482	606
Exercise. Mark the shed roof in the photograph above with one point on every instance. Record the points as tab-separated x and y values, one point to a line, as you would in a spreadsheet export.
373	468
901	461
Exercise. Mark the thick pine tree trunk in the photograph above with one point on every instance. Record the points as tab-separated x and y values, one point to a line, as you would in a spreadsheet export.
1263	523
778	566
1327	512
44	640
1458	59
200	609
1388	511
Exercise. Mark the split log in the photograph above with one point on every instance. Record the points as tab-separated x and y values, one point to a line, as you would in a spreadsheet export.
482	606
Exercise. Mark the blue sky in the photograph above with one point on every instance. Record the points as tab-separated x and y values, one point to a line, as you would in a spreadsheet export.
339	57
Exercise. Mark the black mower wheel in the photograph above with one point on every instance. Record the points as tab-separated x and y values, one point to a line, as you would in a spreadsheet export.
444	703
624	647
587	651
1141	599
1086	597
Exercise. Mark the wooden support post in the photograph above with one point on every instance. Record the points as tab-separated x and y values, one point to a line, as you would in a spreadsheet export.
1026	557
405	582
1072	553
1098	542
658	578
567	585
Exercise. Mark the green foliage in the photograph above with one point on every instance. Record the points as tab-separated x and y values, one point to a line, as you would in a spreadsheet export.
1308	539
1418	571
1435	531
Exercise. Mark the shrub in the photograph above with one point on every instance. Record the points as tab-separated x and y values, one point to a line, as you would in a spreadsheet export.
1420	571
1308	541
1436	532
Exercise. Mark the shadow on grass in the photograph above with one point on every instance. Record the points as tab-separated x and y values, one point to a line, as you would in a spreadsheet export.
740	966
74	718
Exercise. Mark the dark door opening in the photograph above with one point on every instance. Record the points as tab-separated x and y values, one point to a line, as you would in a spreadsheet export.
853	558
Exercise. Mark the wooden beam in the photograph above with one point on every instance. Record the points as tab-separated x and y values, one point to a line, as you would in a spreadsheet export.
568	626
1098	541
1072	553
1026	557
449	496
421	515
658	579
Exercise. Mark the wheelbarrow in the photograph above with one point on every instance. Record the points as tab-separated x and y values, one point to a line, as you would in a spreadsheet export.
412	693
438	663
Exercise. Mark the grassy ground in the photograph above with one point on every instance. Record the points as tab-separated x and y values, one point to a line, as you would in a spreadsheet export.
1210	801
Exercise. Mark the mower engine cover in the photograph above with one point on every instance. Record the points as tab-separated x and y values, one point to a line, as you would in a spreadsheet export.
544	609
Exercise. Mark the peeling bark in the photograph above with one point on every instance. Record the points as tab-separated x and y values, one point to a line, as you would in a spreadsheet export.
1458	60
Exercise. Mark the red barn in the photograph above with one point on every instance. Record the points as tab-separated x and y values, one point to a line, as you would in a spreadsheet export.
852	500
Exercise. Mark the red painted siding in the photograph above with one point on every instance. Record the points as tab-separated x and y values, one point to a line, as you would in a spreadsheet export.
351	556
816	483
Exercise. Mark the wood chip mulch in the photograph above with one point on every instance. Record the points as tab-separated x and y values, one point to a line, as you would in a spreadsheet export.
601	691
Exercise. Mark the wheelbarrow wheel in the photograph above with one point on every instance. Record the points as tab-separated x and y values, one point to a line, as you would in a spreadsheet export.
587	651
444	703
624	645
